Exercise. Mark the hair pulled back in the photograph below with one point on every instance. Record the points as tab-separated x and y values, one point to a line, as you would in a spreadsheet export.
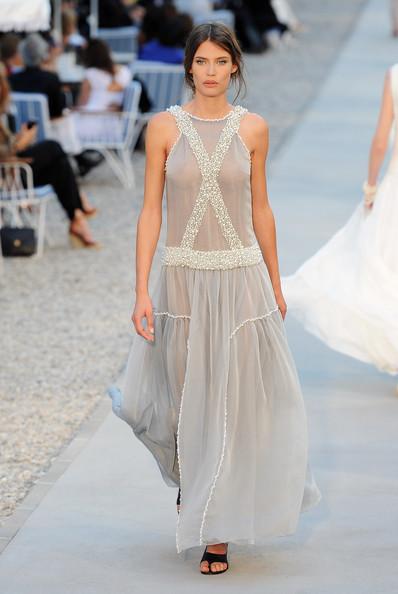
220	35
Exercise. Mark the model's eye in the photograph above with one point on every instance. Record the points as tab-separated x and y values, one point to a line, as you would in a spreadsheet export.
199	61
223	61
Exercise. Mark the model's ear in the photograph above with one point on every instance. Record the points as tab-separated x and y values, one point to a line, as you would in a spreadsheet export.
234	68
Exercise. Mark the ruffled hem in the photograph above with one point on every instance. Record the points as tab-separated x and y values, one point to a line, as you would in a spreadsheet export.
342	327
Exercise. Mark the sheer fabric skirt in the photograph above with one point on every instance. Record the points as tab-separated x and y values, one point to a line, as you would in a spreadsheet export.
347	293
216	399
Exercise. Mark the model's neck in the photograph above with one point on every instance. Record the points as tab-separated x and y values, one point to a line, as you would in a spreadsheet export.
209	107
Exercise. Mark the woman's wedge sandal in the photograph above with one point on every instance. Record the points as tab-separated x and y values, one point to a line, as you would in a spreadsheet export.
214	558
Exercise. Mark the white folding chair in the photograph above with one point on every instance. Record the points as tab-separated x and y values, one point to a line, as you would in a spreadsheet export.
123	42
20	202
164	84
113	133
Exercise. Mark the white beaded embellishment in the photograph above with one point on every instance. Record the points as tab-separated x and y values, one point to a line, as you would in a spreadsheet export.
170	315
212	260
267	315
179	447
210	166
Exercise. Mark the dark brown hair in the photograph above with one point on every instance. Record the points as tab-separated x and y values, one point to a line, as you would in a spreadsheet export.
220	35
97	55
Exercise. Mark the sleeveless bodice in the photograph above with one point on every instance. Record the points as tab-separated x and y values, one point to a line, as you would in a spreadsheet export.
208	190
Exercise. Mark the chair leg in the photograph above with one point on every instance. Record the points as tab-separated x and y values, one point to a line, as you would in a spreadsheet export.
125	157
117	166
41	229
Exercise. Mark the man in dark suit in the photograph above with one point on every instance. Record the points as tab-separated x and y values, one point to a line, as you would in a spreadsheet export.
34	79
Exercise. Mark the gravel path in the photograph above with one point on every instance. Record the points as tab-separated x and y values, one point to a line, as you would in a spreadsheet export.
65	318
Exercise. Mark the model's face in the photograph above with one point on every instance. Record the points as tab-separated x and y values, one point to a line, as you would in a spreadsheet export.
211	69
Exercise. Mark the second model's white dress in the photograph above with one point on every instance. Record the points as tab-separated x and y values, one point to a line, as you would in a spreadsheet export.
347	293
216	397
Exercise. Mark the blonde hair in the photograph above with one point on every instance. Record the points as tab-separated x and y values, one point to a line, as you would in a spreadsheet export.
68	21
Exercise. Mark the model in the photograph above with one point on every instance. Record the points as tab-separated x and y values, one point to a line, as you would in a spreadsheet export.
210	385
347	293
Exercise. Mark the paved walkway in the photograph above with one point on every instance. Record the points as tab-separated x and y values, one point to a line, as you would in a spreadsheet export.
107	524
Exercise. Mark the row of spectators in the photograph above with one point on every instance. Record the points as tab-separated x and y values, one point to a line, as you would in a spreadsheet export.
28	67
259	24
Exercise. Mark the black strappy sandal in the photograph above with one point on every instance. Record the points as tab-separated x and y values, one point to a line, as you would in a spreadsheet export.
214	558
178	499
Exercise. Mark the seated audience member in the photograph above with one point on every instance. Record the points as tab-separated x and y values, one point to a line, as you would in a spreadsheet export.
9	53
267	22
71	38
286	15
103	90
50	165
249	36
104	81
113	13
168	46
36	79
153	21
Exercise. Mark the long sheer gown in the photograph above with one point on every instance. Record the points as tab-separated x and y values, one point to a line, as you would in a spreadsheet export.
216	397
347	293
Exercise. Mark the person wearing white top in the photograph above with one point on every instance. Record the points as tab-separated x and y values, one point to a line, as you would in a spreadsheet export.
102	90
104	81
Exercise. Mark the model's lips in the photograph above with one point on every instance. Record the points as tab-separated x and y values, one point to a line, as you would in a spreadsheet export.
210	83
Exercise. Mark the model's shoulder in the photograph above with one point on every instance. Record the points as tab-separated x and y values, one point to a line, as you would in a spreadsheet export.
161	120
254	125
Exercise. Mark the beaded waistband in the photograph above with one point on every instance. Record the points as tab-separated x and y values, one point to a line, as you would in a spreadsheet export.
212	260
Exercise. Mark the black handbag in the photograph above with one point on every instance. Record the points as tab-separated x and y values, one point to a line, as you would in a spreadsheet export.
18	241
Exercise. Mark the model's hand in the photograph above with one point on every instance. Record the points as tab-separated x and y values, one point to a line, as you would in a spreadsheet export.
281	303
369	194
143	309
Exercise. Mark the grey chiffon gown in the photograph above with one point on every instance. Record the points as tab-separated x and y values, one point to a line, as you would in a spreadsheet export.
216	397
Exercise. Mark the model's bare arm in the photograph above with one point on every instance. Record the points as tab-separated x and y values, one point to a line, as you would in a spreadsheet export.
150	219
255	130
381	136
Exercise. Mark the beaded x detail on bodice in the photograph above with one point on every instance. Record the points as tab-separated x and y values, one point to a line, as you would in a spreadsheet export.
210	194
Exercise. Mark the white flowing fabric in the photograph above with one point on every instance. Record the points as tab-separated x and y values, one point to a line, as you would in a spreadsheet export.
216	397
347	293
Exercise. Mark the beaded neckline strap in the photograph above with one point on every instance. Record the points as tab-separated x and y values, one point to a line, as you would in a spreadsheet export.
195	117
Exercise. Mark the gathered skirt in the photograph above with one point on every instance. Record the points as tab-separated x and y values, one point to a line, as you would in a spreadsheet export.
217	400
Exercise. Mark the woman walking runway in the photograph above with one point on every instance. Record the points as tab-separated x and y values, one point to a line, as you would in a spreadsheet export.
210	385
347	293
